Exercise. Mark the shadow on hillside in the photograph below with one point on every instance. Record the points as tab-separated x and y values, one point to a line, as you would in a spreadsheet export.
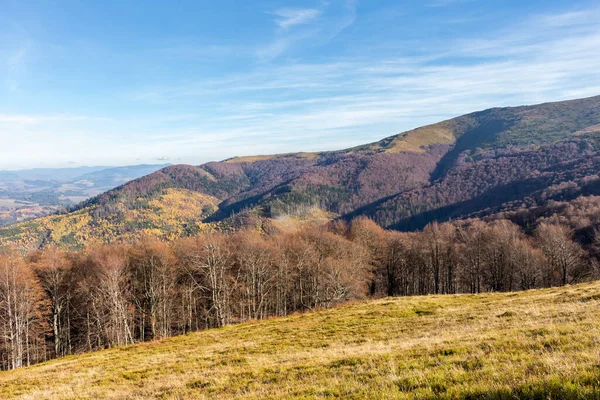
481	136
228	210
490	201
494	197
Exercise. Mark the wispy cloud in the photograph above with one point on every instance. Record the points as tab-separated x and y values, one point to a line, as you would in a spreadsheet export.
289	17
16	66
16	60
330	102
444	3
365	99
308	26
343	21
569	19
278	46
39	119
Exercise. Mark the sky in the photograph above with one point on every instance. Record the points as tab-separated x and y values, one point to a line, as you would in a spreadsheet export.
118	82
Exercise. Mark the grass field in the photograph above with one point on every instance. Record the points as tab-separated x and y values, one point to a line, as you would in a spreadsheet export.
536	345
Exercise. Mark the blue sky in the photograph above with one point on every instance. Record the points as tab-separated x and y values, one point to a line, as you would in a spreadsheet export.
118	82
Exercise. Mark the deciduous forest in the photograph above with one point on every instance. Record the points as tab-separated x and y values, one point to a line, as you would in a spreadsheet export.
55	303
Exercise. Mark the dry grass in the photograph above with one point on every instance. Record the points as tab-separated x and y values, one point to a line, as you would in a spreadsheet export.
315	216
250	159
538	345
416	140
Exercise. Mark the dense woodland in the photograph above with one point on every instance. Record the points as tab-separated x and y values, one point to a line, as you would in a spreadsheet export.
495	180
54	303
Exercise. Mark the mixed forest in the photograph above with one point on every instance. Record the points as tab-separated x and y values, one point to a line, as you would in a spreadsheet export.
55	303
476	165
495	201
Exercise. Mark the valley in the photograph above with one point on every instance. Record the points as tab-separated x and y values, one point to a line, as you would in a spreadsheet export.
29	194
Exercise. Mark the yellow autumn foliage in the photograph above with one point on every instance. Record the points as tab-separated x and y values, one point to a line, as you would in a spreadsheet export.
172	214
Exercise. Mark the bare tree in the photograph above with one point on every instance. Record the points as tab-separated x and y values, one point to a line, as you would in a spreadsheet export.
209	262
53	272
20	309
255	263
115	294
565	256
153	276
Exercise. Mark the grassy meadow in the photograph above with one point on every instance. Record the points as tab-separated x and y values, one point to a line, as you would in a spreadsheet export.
542	344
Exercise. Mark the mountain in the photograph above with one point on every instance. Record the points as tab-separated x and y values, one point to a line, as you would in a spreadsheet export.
478	164
539	344
25	194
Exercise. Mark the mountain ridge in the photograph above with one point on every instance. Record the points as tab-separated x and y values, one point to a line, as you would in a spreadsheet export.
482	162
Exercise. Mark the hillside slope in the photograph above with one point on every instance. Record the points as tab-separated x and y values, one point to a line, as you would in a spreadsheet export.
494	181
27	194
170	214
535	344
480	163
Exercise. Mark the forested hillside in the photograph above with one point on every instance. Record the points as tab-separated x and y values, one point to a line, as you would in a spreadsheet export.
27	194
189	248
55	303
498	160
494	181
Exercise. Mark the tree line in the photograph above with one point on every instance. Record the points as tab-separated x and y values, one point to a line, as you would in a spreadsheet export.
54	303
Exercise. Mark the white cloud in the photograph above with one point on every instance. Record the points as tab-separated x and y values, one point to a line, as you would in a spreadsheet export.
444	3
569	19
16	60
307	27
290	17
39	119
337	103
16	66
274	49
361	100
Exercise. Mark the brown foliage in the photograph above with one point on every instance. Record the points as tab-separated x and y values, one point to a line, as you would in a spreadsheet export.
54	303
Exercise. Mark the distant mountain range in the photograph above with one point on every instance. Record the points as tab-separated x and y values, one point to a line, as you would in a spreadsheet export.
477	164
25	194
